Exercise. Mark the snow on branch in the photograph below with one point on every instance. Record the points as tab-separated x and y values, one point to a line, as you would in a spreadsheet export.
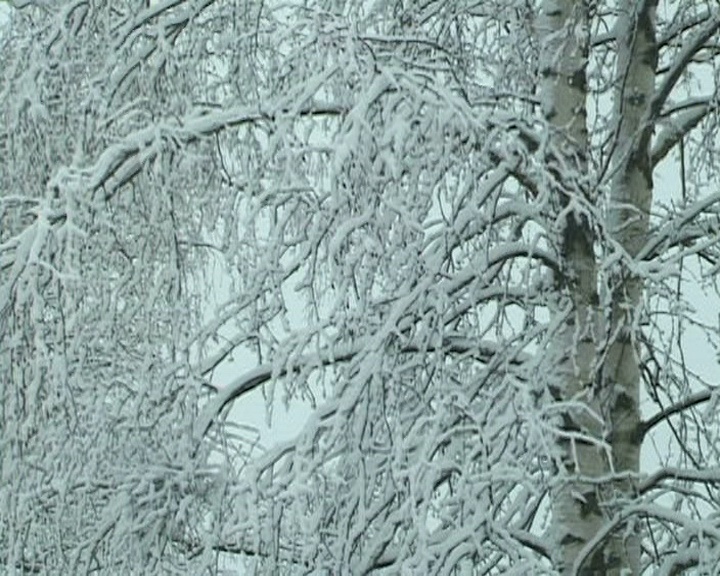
251	379
679	126
120	162
682	60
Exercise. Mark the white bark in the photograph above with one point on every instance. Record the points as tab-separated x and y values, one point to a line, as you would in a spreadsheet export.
577	517
631	198
603	436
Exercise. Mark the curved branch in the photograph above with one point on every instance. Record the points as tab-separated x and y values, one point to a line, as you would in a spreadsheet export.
680	230
691	115
258	376
642	510
123	160
254	378
695	44
665	413
680	562
702	476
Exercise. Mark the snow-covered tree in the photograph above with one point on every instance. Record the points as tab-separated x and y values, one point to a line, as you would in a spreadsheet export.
478	239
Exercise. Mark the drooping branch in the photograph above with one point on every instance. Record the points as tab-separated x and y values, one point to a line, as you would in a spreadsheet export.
526	539
118	164
261	374
256	377
150	13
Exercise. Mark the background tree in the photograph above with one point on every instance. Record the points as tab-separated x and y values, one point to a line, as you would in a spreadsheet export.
438	223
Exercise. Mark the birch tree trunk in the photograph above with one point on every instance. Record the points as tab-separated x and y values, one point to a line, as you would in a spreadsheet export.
577	516
630	201
598	359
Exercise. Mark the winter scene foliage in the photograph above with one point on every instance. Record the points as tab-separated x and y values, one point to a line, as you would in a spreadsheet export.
465	251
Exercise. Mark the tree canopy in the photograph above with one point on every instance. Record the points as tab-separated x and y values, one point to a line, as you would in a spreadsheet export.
479	239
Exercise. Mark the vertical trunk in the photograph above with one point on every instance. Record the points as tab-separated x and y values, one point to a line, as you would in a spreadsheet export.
605	398
631	198
563	28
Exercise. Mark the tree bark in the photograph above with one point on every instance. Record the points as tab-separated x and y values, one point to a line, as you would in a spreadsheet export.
563	28
630	201
598	361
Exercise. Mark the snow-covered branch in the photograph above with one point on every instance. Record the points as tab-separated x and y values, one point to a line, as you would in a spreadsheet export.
691	46
681	121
